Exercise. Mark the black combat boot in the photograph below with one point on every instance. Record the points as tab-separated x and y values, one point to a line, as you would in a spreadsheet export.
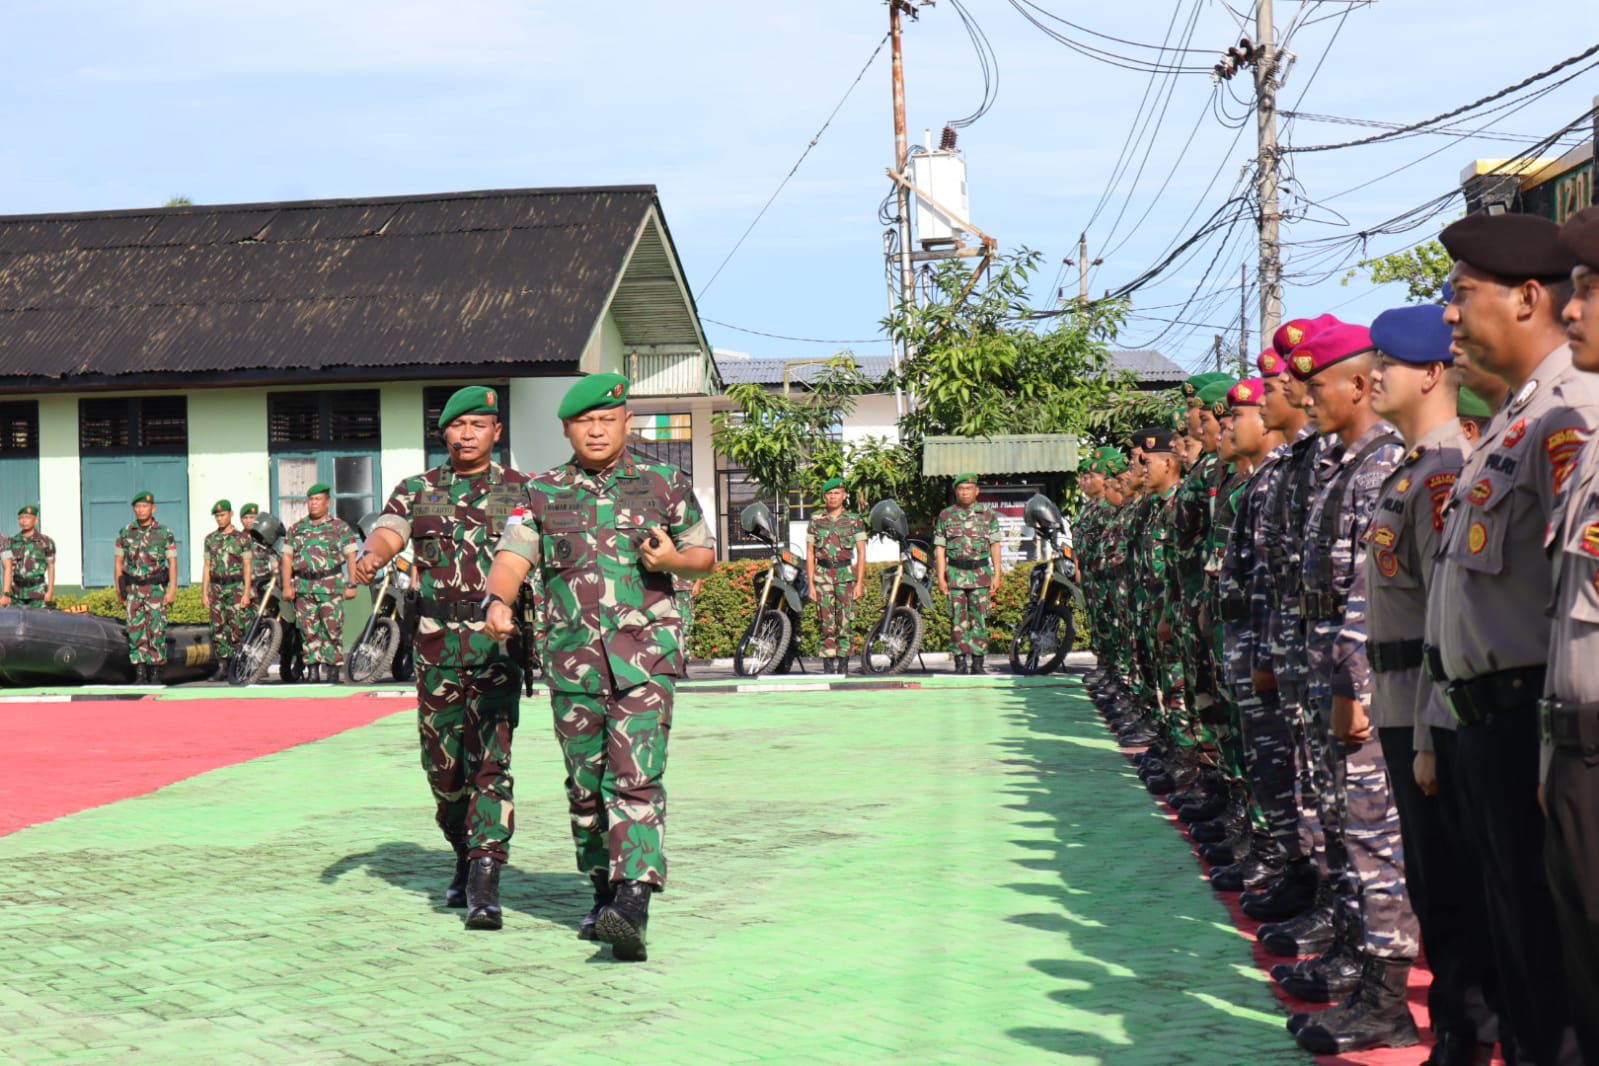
155	673
455	895
960	664
141	674
1260	865
1309	933
221	672
1378	1015
1455	1049
621	923
977	664
604	893
483	893
1224	824
842	664
1333	974
1294	893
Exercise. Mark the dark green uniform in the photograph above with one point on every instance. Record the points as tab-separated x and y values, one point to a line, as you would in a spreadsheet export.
831	543
145	575
320	570
967	535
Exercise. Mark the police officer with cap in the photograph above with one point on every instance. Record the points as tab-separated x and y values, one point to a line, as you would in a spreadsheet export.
1488	629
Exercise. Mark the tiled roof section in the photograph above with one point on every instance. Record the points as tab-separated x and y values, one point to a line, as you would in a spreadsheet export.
736	371
465	279
1148	366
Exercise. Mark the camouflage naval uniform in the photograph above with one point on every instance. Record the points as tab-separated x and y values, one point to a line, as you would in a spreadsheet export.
967	535
30	562
144	557
468	686
224	553
612	648
832	543
320	572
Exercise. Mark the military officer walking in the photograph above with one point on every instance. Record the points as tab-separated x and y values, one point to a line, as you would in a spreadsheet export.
608	532
835	569
318	576
30	564
225	584
468	683
146	564
967	560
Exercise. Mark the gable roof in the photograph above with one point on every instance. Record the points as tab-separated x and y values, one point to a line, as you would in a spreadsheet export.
403	286
1148	366
737	370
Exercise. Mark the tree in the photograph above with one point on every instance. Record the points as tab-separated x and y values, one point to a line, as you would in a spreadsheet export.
179	201
1424	269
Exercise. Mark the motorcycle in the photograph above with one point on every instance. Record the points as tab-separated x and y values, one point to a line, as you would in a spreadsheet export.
771	643
1048	626
273	633
897	637
383	650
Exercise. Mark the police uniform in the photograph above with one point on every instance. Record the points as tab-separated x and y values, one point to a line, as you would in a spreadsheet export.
1489	632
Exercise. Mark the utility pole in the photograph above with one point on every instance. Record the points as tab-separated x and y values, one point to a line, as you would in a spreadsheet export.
1082	263
1243	317
1266	82
1215	351
907	272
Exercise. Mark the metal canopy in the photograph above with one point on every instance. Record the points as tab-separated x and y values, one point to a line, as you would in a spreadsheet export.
1011	453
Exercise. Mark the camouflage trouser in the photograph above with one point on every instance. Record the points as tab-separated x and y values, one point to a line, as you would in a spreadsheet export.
1377	854
228	619
1323	761
1292	812
615	752
1169	678
319	612
968	617
147	624
835	611
466	717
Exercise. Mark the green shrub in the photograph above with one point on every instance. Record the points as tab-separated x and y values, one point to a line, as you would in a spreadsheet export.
186	608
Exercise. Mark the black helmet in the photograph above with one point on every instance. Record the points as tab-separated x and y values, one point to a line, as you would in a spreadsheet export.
1041	513
887	519
756	521
268	528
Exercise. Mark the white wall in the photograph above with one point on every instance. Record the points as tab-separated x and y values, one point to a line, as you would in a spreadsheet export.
60	487
404	439
227	460
537	443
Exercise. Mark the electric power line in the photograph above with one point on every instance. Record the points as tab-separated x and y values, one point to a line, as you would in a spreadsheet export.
784	337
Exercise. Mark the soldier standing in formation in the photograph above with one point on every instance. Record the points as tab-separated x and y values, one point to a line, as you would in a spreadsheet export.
146	562
608	532
30	564
225	584
967	561
835	569
318	575
468	682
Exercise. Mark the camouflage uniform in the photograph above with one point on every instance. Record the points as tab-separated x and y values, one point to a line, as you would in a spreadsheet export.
967	535
1191	520
30	561
468	686
831	543
224	554
144	555
612	648
320	573
1159	565
1365	853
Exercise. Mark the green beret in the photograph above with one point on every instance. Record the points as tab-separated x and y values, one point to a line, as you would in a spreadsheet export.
964	478
29	508
472	400
1216	390
597	392
249	508
832	483
220	506
144	497
1115	462
320	488
1469	405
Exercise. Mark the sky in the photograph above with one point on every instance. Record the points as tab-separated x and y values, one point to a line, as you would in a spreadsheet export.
123	105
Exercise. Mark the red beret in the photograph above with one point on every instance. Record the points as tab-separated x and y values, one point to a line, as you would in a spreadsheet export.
1293	333
1270	363
1247	393
1329	346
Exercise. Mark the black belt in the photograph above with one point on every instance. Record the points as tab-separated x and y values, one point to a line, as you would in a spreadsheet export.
835	561
1234	607
1391	655
967	564
318	575
1432	657
1475	698
227	579
1320	607
154	577
452	610
1569	725
20	582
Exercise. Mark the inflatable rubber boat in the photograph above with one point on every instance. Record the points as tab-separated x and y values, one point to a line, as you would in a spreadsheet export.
44	647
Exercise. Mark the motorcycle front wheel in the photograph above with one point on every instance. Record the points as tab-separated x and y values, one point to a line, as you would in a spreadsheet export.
893	642
1042	640
764	644
373	654
256	652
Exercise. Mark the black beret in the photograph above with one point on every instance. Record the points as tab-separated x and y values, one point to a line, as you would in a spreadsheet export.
1580	237
1154	439
1513	248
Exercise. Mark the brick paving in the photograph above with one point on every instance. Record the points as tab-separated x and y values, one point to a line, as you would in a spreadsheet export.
965	872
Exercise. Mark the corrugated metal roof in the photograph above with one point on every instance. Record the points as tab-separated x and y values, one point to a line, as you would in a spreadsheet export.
736	371
1148	366
1007	453
465	279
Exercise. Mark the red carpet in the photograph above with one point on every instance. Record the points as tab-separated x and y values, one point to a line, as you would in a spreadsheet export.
69	756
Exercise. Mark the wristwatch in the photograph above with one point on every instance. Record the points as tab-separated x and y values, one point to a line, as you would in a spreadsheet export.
492	598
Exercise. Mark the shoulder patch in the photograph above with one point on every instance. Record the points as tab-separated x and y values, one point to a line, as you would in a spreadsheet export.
1563	446
1383	536
1481	492
1590	538
1515	433
1441	481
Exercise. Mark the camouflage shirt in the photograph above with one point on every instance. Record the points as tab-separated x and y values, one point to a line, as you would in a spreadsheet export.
609	624
144	550
30	558
966	534
224	553
453	523
832	541
318	547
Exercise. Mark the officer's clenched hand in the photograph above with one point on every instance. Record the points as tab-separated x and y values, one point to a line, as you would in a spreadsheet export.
858	590
349	592
1349	721
658	551
367	567
1425	768
498	623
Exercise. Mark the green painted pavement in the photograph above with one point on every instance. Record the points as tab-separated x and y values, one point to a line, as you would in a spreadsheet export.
969	875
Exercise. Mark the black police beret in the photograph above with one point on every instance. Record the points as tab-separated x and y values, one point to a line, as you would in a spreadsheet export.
1154	439
1580	237
1511	247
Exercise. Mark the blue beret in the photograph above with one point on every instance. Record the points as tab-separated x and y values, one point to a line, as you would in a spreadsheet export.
1416	335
